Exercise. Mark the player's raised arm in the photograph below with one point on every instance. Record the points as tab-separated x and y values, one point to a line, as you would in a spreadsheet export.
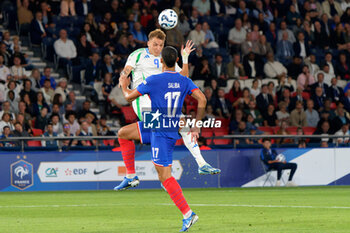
202	102
125	73
185	53
130	95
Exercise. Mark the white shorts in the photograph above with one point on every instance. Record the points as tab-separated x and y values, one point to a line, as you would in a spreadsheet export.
141	104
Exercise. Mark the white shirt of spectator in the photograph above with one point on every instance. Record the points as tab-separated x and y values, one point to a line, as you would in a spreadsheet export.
41	26
118	96
197	38
85	7
74	127
302	49
341	133
272	69
65	49
17	71
218	68
255	92
345	5
252	65
237	36
331	68
3	124
4	73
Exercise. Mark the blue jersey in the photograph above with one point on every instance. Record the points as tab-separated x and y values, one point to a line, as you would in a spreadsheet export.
167	92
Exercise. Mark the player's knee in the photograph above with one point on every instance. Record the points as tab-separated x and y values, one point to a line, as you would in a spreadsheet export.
122	133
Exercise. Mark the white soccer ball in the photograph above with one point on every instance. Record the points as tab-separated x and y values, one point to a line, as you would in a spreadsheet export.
281	158
167	19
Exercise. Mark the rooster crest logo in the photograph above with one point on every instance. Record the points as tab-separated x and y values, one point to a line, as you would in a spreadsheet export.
21	171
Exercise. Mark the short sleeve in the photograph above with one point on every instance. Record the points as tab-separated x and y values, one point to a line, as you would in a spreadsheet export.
177	68
134	58
191	87
144	87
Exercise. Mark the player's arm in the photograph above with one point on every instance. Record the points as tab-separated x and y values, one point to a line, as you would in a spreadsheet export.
130	95
125	72
185	53
202	102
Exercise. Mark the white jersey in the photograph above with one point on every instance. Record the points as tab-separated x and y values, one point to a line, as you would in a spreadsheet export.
144	65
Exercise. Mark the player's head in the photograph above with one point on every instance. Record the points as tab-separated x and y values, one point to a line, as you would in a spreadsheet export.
156	41
169	57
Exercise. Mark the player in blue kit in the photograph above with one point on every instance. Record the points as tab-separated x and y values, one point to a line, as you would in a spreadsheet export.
167	92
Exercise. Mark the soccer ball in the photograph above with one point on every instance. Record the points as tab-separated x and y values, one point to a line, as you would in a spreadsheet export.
281	158
167	19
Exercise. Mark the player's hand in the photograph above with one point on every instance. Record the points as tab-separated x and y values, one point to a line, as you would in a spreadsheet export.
124	81
189	48
122	77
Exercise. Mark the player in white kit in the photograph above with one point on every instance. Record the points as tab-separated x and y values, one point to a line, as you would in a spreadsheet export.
145	62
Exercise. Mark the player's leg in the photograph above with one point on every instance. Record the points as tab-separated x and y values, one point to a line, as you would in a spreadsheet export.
126	135
203	167
162	149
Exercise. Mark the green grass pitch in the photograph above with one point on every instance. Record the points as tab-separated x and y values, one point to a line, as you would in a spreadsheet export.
301	209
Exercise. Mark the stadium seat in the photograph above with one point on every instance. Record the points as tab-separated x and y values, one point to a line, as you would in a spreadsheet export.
37	132
292	130
190	108
267	129
34	143
229	85
333	106
267	80
206	133
309	130
108	142
179	142
276	128
221	141
130	116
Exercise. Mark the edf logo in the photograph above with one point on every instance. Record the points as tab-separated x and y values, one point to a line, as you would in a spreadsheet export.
79	171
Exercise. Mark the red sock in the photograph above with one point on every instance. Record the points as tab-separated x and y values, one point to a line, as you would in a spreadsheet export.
128	153
175	192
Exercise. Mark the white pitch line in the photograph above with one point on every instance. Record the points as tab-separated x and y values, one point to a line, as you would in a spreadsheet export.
170	204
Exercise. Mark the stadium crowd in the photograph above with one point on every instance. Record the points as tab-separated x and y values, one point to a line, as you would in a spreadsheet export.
271	66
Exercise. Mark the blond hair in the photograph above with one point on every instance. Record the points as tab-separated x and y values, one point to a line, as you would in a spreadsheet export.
159	34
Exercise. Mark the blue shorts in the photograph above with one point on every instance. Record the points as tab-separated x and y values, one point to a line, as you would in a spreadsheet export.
162	147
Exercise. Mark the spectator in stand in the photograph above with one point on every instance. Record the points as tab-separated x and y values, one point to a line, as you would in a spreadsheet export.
235	119
35	79
263	100
85	110
259	8
298	116
253	130
274	69
292	16
344	131
271	34
65	49
284	50
6	134
49	133
41	119
320	39
235	68
283	114
62	89
340	119
305	79
264	47
38	29
301	46
139	35
12	86
235	92
102	38
84	131
324	130
39	104
319	99
17	71
241	130
5	73
89	118
203	71
283	131
108	67
84	50
174	38
243	102
270	116
57	100
211	98
93	70
284	83
67	8
209	113
183	25
202	6
6	108
102	127
327	75
5	55
236	36
313	66
329	61
47	75
25	16
253	66
13	100
56	123
219	69
22	110
209	41
47	91
255	89
343	67
73	123
320	83
312	116
295	68
197	36
223	106
284	30
331	8
71	100
6	121
29	104
107	87
83	7
255	113
335	92
19	132
249	45
66	133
